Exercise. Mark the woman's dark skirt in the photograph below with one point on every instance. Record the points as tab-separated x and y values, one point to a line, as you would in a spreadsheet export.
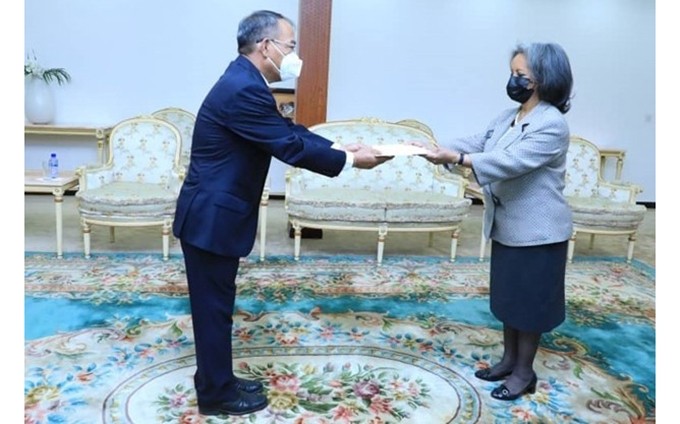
527	285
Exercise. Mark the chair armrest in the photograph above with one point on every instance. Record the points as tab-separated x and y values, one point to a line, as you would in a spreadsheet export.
89	178
463	171
293	183
177	176
618	192
183	172
265	192
449	183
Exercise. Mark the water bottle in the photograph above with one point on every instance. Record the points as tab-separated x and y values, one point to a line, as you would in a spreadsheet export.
53	165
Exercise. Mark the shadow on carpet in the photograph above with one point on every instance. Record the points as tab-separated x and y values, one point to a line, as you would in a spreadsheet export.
333	339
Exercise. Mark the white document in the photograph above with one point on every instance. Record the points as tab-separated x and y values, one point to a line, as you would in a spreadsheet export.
399	150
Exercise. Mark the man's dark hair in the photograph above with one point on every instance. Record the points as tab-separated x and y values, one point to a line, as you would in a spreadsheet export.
257	26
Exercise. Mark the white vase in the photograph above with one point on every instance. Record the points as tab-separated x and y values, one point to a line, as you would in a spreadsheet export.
38	101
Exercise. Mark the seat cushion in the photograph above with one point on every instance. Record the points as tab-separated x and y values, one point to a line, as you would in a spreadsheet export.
425	207
128	199
360	205
604	214
337	204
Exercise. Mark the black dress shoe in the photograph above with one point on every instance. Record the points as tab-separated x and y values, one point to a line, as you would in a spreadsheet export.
485	374
248	386
247	403
502	393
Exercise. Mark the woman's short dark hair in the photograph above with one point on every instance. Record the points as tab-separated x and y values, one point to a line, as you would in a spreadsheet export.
551	71
257	26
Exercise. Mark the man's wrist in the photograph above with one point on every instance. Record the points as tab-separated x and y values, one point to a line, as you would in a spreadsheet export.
349	161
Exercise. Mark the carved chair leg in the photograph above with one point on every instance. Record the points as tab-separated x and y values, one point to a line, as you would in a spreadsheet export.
570	247
86	238
263	230
298	235
631	246
382	234
166	241
482	247
483	241
454	244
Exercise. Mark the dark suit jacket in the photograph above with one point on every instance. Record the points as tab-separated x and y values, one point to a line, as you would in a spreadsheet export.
238	130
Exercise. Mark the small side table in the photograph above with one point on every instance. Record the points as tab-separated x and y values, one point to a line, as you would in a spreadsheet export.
101	134
35	183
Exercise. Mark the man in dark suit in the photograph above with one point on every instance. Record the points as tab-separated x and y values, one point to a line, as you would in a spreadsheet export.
238	130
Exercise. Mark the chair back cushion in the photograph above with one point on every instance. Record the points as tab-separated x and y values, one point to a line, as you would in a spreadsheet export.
184	121
583	169
144	150
407	173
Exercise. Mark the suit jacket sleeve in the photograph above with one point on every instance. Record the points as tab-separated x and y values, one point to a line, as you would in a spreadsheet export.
547	140
254	117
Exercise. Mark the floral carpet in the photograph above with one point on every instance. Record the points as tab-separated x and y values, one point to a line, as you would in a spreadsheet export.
334	340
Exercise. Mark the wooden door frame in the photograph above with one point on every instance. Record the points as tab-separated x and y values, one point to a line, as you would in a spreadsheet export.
314	34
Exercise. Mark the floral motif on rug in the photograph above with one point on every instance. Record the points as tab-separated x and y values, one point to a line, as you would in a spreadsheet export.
322	355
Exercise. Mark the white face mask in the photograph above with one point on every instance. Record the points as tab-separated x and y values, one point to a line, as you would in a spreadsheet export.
291	65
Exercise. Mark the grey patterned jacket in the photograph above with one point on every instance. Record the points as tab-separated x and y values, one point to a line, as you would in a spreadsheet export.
522	174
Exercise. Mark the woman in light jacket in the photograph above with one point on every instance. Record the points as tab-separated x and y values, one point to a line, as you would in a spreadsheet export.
519	161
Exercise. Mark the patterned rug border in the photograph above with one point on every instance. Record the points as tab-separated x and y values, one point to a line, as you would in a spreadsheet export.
636	263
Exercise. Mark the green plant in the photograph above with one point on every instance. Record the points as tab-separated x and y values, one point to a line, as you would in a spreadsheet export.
33	68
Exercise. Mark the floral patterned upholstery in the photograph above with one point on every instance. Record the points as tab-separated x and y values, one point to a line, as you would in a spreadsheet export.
139	184
406	193
472	190
599	206
184	121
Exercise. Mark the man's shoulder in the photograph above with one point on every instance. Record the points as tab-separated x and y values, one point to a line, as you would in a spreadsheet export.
241	74
238	81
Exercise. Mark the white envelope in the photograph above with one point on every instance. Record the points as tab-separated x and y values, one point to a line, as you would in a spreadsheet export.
399	150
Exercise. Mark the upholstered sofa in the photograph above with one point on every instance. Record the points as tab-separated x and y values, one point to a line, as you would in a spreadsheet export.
405	194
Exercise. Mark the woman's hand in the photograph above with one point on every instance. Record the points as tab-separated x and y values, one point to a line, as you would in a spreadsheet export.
435	154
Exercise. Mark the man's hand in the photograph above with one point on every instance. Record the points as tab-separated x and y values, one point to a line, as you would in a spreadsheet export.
353	147
366	157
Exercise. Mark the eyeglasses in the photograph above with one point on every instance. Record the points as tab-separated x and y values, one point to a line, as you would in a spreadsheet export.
291	46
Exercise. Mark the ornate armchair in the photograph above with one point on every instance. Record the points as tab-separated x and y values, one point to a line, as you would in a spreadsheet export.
139	184
184	121
599	206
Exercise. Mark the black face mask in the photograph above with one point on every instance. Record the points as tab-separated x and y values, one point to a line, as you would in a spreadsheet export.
517	88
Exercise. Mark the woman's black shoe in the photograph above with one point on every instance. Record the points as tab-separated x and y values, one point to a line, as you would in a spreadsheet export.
502	393
485	374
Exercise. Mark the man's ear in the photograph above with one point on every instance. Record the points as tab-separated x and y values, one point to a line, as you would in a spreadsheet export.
263	48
